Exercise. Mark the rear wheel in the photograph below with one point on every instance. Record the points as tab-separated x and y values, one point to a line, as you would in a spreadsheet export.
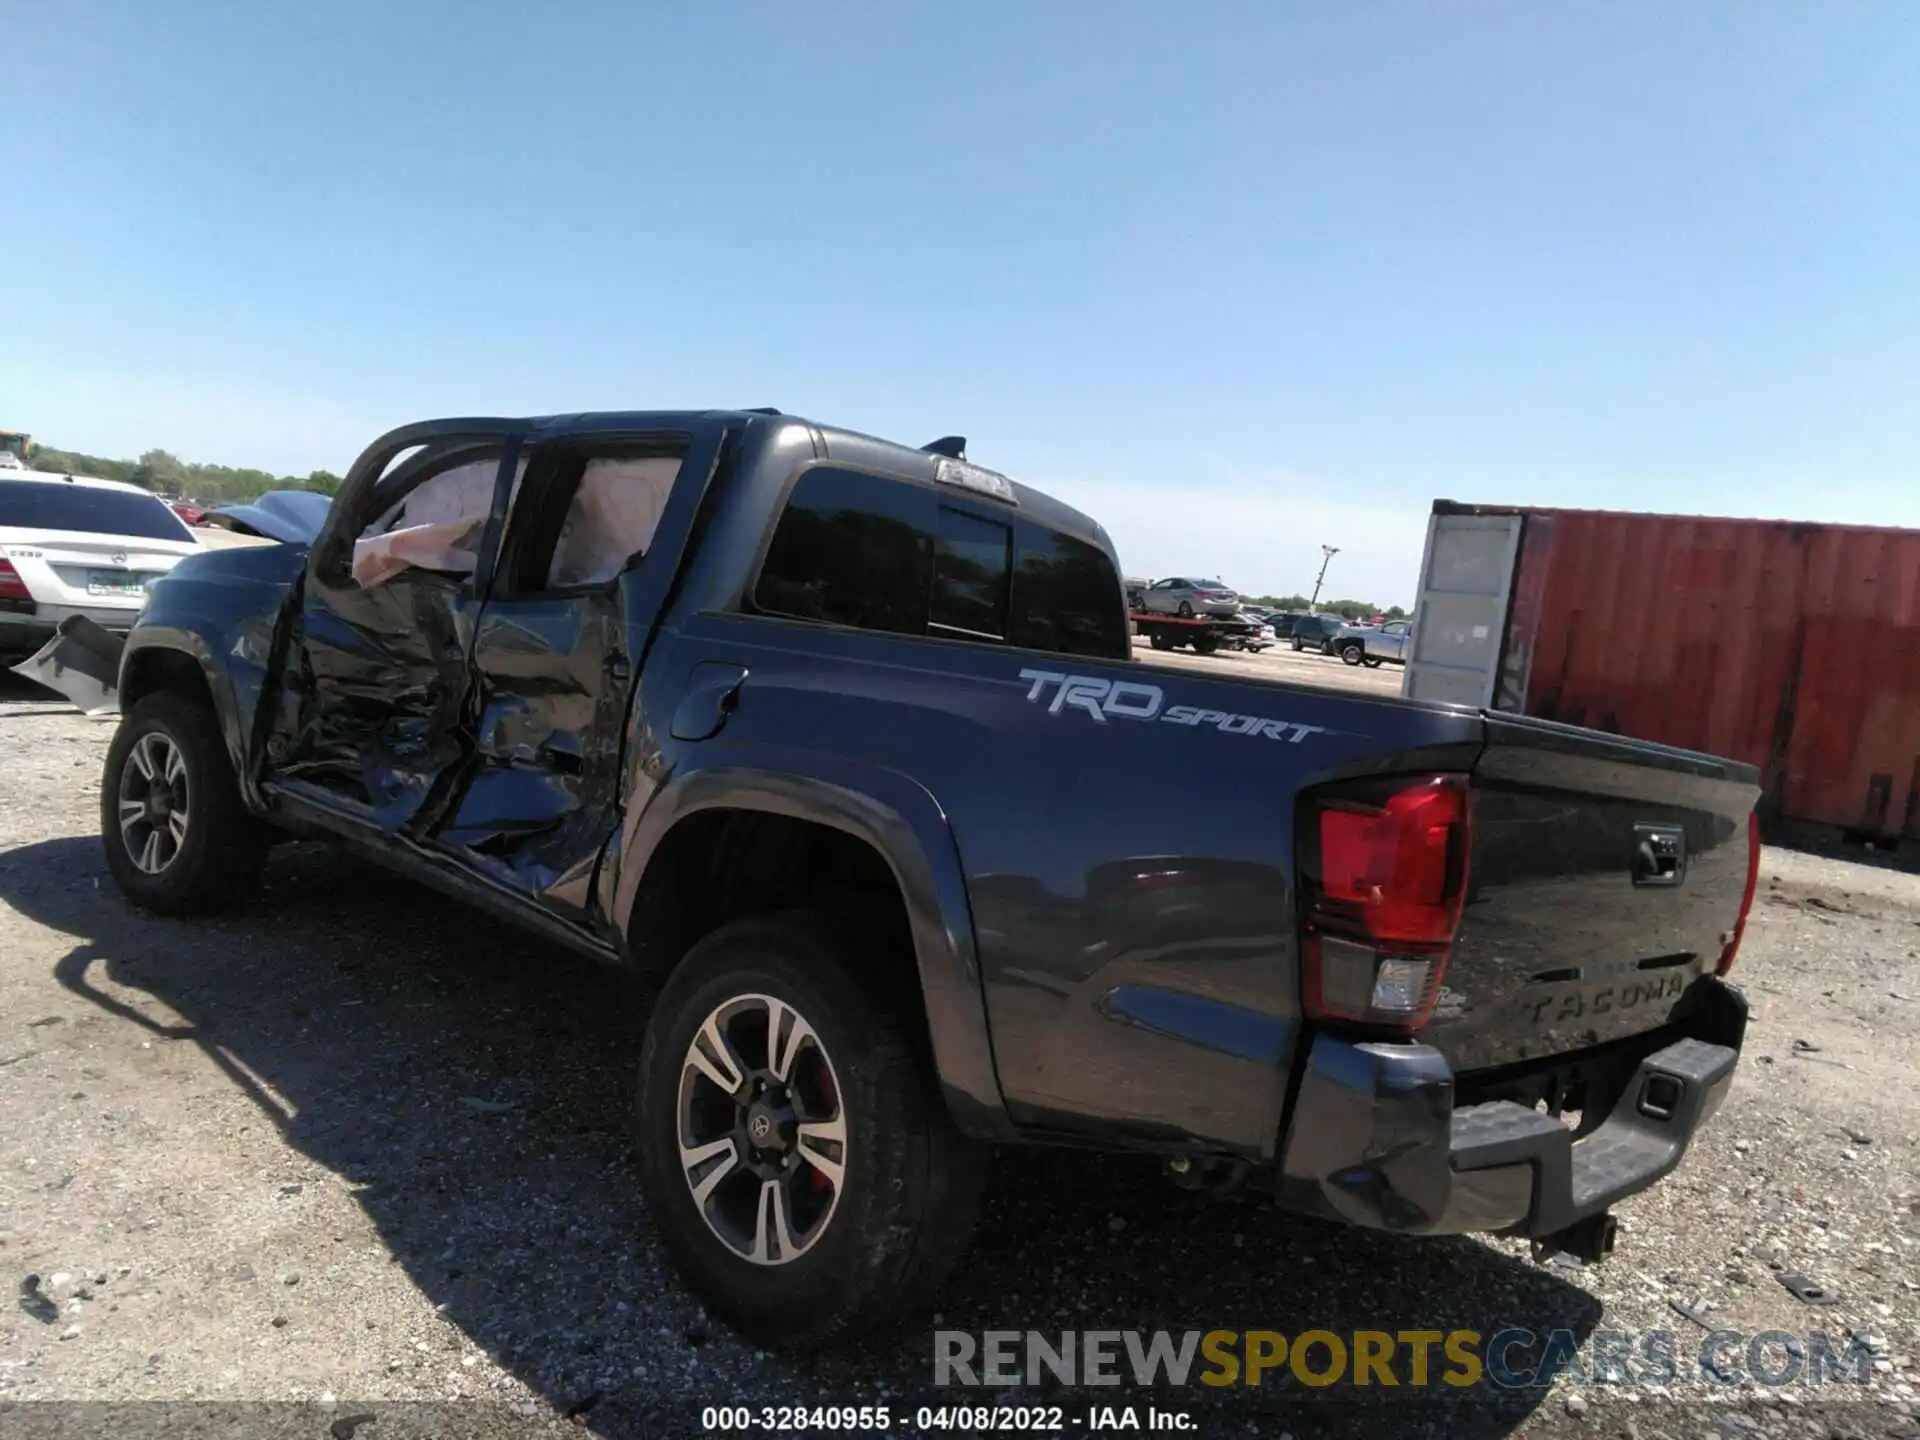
1375	664
1159	641
1299	644
177	836
1205	644
797	1159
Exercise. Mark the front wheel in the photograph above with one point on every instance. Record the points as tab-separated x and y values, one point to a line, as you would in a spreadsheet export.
796	1157
177	836
1186	610
1352	654
1299	645
1159	641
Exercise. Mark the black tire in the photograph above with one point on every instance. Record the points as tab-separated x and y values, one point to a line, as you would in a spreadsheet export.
1159	641
1205	644
218	860
1298	644
1352	654
1186	610
1375	664
910	1199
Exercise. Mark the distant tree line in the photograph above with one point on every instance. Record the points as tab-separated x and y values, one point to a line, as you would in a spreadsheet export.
178	479
1345	609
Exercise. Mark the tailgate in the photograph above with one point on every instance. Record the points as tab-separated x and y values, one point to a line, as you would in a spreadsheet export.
1606	876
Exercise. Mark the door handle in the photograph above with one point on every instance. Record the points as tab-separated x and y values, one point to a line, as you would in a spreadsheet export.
713	693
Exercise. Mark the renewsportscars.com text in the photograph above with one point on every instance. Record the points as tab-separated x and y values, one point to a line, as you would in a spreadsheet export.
1509	1358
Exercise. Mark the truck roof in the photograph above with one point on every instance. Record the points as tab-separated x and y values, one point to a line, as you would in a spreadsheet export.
840	444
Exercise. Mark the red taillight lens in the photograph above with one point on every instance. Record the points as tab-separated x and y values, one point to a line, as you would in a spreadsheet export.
12	587
1383	914
1403	864
1746	899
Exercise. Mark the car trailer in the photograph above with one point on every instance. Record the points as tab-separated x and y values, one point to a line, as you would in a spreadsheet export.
1205	633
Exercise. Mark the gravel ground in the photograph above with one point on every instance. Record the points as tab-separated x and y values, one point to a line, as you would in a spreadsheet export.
358	1151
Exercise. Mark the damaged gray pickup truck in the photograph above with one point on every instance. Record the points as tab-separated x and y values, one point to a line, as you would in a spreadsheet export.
842	745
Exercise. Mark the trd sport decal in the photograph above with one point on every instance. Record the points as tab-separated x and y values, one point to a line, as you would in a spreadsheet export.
1130	700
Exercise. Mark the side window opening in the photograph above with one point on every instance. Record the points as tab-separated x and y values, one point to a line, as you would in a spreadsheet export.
435	525
610	522
587	514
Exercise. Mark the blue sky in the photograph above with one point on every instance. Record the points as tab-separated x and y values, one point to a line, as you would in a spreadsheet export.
1237	279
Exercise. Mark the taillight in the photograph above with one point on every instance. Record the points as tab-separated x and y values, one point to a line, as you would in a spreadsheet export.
1386	884
1746	899
12	587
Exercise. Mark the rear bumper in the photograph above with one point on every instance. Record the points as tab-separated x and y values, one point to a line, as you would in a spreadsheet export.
23	634
1376	1139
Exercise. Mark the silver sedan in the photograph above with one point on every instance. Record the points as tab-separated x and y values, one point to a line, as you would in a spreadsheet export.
1180	596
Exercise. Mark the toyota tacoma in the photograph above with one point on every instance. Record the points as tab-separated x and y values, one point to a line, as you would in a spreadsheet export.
839	743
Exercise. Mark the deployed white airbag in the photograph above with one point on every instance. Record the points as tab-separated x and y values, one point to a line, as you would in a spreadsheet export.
437	527
614	514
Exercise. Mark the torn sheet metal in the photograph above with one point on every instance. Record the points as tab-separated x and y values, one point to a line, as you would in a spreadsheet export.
81	662
377	681
545	786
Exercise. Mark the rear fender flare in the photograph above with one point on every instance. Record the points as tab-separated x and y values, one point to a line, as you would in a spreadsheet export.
906	825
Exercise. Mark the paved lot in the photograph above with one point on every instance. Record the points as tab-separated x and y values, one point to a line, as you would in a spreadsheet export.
356	1146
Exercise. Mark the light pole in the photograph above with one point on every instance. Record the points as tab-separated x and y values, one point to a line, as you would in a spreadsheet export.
1327	552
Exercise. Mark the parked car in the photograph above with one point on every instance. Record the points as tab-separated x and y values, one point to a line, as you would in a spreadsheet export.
1375	645
76	546
1260	637
1190	597
707	695
1317	632
292	515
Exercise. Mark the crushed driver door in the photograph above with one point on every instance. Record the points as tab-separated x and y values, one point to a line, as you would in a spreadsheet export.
373	717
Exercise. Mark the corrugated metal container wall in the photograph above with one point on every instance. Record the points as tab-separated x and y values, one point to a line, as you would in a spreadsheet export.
1795	647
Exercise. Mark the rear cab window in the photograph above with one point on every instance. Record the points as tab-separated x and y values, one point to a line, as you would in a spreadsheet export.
87	510
880	553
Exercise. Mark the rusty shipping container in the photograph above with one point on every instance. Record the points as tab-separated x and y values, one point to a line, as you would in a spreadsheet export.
1792	646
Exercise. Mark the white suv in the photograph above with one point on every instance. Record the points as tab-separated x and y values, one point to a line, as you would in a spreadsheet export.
73	546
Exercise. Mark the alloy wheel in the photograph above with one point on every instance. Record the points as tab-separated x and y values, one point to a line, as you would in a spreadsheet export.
154	808
761	1128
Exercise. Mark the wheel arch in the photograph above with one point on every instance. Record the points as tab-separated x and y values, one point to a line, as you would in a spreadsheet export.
895	819
180	660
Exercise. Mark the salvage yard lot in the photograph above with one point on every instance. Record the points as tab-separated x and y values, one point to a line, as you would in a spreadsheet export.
355	1141
1279	663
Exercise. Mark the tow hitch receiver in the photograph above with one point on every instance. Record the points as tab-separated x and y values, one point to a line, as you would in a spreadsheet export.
1589	1241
